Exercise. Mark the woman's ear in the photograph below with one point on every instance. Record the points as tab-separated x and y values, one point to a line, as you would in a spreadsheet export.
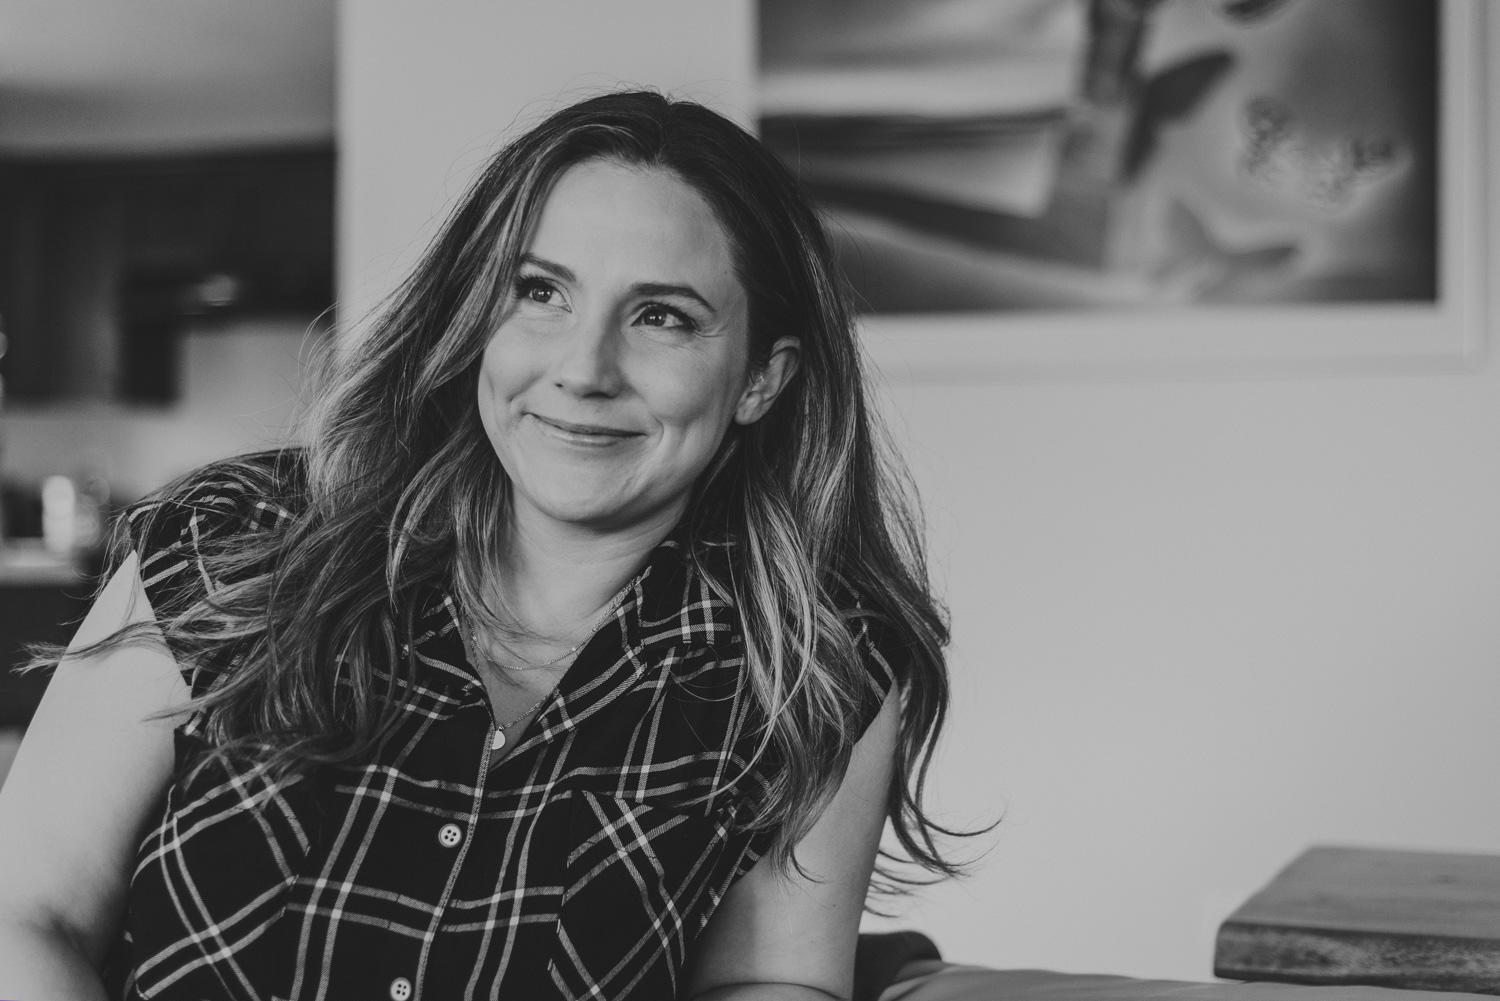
767	384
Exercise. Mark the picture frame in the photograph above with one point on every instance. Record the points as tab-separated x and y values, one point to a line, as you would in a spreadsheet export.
1446	334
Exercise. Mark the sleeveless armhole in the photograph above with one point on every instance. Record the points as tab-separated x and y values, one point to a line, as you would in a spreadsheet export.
882	661
174	535
884	668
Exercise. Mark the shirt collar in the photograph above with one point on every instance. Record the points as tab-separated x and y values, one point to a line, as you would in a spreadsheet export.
668	605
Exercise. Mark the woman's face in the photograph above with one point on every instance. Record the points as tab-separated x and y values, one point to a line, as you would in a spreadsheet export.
625	352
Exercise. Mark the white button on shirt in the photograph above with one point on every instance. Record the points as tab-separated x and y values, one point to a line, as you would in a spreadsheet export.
400	989
450	835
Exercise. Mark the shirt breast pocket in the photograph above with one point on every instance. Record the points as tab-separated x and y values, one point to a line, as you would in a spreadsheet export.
642	877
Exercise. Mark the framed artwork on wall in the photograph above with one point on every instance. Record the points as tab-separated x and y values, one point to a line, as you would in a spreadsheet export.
1025	187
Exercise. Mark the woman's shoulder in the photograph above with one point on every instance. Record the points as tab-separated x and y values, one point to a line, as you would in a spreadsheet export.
253	493
878	642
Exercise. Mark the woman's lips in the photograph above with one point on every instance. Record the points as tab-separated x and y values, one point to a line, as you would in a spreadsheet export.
585	433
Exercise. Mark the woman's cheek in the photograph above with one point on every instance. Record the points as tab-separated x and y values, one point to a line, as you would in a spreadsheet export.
488	399
496	392
692	394
504	369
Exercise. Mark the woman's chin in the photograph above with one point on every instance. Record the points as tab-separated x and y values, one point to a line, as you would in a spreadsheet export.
597	512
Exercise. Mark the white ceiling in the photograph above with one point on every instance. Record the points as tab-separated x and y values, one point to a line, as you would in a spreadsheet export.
129	76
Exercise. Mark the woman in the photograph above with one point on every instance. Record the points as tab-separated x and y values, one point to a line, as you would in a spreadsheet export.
582	652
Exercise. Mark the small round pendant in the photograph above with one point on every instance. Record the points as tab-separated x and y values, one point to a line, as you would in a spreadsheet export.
498	740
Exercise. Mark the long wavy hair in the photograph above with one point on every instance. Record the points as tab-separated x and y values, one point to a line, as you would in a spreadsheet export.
808	504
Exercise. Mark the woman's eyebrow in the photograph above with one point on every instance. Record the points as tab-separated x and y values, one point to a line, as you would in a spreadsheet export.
639	288
661	289
561	271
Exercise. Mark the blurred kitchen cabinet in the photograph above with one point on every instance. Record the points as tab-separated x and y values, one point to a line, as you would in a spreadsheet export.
33	611
104	263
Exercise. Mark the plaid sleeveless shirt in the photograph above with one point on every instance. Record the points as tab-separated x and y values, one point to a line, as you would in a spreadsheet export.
579	866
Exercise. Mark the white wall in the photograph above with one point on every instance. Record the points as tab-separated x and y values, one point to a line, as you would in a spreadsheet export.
426	91
1198	624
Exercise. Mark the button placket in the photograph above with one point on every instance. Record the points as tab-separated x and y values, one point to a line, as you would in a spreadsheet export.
462	846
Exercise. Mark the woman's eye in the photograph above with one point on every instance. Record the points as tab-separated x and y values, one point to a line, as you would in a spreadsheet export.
665	318
537	290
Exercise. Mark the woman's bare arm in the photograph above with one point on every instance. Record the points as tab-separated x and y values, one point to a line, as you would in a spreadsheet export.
780	938
73	808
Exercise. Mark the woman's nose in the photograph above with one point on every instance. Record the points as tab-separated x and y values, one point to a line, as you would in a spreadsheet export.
589	363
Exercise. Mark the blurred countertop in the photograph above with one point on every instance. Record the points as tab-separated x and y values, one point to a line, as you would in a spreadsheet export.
27	563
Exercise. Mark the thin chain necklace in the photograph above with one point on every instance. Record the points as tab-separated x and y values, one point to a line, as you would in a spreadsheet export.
498	740
526	665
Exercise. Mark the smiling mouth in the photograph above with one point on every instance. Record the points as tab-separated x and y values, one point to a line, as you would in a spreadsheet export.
590	432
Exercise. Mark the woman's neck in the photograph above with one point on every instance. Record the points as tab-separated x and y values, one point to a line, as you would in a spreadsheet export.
555	578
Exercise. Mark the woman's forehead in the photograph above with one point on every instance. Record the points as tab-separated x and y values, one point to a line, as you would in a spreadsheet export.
642	224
